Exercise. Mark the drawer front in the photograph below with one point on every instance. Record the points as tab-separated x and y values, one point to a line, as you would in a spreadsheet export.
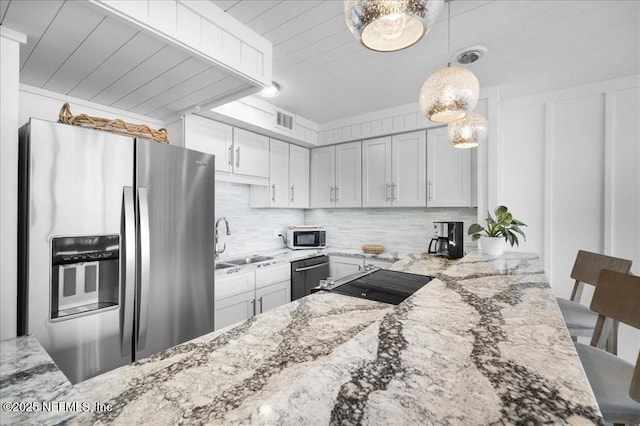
234	284
273	274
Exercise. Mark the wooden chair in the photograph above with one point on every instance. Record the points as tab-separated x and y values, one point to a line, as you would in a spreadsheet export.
615	382
580	319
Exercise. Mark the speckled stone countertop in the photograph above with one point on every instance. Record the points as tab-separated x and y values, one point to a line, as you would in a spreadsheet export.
483	343
33	390
286	255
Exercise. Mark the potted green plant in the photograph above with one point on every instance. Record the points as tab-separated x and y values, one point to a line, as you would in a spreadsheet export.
503	227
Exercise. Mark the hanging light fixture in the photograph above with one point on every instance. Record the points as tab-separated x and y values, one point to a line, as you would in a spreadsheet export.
386	26
469	131
450	93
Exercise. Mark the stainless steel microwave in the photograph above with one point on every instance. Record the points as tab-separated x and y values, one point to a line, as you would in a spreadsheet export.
306	237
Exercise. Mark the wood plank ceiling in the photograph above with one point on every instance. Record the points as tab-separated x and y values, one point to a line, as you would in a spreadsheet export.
533	46
75	49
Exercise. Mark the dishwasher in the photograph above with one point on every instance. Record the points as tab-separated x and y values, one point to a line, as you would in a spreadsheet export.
306	273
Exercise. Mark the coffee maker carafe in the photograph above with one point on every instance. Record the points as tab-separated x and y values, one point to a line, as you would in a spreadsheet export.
448	241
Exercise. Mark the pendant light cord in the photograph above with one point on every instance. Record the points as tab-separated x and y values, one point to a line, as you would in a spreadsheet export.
449	34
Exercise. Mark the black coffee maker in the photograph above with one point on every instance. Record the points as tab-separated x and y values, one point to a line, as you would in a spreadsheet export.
448	241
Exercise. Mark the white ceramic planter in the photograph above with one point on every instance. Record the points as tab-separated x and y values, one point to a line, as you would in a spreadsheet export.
492	246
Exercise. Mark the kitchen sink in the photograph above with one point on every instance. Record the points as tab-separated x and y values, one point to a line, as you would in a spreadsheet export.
223	265
249	260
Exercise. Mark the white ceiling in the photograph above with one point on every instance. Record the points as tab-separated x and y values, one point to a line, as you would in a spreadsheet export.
325	74
76	49
533	46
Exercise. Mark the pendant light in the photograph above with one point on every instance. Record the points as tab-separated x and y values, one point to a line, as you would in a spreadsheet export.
386	26
450	93
469	131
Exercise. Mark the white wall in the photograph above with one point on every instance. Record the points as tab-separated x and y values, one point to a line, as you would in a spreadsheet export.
9	73
571	161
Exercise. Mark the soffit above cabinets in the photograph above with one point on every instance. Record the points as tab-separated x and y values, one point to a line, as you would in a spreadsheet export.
155	58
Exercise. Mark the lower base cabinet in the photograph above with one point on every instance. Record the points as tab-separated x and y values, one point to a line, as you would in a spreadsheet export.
243	295
341	266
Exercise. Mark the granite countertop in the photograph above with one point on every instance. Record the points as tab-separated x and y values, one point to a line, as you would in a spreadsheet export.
34	390
484	342
287	255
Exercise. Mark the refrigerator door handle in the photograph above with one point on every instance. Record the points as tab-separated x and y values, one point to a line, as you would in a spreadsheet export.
145	267
128	270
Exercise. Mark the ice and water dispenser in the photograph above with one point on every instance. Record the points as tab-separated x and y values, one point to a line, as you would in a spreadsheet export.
84	274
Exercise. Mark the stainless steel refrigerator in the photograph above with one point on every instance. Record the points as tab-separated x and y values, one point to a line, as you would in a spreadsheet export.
115	246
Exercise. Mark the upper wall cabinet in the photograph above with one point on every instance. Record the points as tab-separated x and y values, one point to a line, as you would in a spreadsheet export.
448	172
394	171
288	178
336	176
155	58
241	156
211	137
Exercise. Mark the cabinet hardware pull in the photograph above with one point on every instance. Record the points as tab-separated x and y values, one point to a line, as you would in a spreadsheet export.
238	157
273	192
253	307
393	192
331	194
230	155
311	267
292	193
337	194
429	185
388	197
260	300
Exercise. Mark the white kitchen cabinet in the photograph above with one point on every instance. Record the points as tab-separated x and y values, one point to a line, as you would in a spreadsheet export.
272	296
394	171
298	177
341	266
288	178
233	309
242	295
336	176
241	156
250	153
211	137
448	172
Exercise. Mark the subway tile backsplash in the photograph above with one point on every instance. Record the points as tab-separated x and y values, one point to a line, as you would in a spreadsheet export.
398	229
401	229
251	229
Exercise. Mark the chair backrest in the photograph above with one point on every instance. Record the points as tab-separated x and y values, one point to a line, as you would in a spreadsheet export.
617	296
634	392
587	267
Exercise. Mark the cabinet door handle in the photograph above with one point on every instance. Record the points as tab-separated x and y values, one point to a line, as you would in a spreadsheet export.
253	308
331	194
230	155
393	192
337	194
238	157
260	300
292	193
273	192
429	185
388	196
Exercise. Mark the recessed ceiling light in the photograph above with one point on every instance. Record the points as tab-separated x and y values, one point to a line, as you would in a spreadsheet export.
271	91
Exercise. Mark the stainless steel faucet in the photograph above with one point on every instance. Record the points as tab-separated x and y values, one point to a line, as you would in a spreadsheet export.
226	223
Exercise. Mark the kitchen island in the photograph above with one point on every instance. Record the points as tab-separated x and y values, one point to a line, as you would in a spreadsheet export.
482	343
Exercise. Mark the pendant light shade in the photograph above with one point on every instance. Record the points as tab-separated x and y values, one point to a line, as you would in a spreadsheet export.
449	94
386	26
468	132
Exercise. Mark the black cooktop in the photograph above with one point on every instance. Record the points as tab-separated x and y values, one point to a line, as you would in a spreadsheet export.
384	286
